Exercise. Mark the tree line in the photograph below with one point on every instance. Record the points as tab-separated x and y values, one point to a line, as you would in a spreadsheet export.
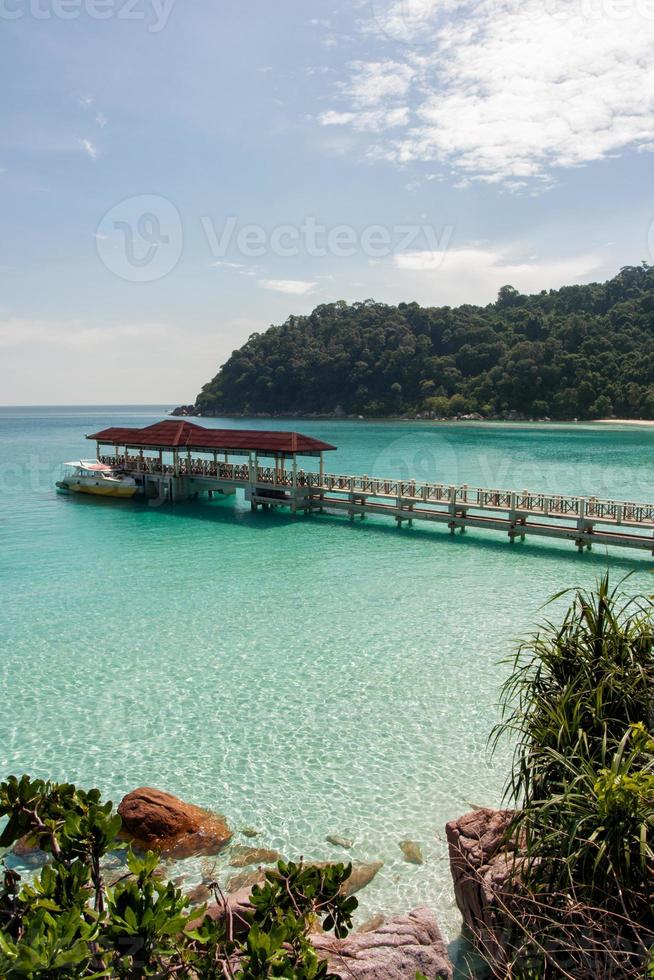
583	351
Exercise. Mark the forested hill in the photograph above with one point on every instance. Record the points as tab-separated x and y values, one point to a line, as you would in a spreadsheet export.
575	352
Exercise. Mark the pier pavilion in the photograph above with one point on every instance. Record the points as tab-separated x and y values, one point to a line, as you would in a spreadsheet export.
178	460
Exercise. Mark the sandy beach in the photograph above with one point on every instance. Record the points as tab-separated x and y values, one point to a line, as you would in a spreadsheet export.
648	422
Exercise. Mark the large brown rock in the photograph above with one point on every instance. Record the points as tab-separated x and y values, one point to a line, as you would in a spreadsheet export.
483	864
394	951
155	820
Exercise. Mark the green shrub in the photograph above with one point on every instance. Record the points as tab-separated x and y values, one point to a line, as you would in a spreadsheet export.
580	707
67	922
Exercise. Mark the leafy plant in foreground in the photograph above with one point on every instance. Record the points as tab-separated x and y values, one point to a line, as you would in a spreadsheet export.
67	922
580	704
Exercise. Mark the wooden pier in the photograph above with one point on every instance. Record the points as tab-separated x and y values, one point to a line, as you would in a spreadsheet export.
173	461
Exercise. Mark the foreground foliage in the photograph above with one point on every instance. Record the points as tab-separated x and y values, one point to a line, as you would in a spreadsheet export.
67	922
580	351
580	703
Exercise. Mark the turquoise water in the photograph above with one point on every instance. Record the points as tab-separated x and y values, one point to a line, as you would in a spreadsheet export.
304	676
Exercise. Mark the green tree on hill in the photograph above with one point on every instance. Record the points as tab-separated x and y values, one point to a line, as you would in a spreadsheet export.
576	352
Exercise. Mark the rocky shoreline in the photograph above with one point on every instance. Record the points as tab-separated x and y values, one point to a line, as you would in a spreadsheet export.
382	948
393	948
193	411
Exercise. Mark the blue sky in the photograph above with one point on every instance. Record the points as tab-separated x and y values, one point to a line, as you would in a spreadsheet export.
175	176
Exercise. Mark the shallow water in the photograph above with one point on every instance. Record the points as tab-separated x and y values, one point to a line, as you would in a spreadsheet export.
304	676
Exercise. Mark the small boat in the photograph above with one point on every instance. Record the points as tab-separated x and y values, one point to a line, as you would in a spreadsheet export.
91	476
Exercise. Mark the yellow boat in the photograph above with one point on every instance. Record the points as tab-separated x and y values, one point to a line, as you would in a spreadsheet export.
95	478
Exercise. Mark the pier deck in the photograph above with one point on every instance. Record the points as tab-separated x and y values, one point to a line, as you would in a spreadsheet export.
195	468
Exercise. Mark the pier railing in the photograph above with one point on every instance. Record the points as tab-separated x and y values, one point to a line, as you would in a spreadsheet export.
458	498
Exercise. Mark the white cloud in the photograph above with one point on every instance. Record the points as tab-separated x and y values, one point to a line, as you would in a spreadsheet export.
242	270
294	287
71	361
373	121
373	82
334	118
74	335
478	273
89	148
101	120
507	91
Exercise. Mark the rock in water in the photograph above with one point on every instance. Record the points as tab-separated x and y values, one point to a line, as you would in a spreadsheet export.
242	855
338	841
362	875
199	895
484	864
249	832
236	911
370	925
411	851
395	951
245	879
158	821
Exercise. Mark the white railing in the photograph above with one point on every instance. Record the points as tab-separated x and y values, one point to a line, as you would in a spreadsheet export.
457	498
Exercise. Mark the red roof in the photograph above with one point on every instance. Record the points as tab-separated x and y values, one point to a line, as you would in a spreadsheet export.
180	434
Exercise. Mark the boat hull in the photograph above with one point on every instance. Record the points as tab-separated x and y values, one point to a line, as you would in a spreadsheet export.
96	489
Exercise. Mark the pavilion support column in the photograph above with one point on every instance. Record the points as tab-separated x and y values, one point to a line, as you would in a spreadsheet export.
140	462
294	483
161	461
322	468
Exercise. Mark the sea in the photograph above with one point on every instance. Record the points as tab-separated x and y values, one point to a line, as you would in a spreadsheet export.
305	676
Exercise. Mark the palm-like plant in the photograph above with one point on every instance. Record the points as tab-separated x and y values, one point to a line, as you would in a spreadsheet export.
580	707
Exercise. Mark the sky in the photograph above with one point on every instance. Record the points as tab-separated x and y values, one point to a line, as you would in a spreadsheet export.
175	176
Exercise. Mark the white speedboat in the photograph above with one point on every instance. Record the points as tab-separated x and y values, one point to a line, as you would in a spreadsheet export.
98	479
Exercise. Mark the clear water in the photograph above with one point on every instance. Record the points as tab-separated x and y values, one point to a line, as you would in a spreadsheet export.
304	676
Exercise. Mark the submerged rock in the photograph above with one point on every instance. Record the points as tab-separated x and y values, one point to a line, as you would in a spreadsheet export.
245	879
155	820
396	950
29	852
242	855
362	874
411	851
371	924
339	841
249	832
236	910
200	894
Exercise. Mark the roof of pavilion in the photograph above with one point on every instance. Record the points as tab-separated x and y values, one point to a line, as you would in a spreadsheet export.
180	434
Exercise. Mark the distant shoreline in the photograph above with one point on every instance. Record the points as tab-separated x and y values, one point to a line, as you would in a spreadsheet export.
647	422
464	420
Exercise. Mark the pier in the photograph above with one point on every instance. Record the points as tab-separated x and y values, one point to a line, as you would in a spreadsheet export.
179	460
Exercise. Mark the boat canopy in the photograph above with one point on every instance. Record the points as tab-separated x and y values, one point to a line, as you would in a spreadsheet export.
91	464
